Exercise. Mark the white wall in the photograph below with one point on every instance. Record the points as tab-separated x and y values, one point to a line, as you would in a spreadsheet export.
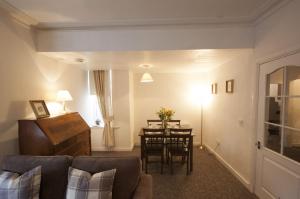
122	107
228	121
25	75
177	91
131	104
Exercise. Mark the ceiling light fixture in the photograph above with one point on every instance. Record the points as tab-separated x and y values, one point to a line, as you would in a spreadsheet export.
146	78
79	60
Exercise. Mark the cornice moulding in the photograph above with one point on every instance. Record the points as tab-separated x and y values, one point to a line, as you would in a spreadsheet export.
17	14
253	19
270	11
141	26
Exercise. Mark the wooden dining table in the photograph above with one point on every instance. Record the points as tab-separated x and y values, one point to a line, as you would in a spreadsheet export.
166	135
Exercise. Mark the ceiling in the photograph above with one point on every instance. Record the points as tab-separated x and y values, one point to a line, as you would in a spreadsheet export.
176	61
102	13
81	13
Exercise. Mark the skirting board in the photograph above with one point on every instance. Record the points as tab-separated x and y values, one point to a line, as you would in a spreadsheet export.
113	149
245	182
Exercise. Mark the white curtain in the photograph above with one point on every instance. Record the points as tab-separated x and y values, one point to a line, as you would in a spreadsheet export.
102	87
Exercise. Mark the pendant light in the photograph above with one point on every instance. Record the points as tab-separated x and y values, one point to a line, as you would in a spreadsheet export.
146	78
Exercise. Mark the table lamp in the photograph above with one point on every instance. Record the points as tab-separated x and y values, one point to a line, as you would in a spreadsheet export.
63	96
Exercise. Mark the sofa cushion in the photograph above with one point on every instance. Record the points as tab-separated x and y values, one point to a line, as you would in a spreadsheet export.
83	185
25	186
54	172
127	174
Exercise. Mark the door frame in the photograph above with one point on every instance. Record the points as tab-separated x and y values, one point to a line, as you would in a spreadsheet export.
255	100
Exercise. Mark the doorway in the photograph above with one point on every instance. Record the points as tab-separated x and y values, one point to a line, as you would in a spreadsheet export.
278	130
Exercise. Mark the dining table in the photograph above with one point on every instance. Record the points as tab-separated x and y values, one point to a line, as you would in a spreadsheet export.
166	135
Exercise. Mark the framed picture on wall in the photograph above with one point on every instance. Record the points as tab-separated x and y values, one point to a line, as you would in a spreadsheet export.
214	88
229	86
39	108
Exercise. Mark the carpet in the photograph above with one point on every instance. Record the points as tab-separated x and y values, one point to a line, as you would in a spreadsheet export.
209	179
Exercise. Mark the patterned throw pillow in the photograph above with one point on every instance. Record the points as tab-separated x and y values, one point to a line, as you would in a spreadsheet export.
83	185
26	186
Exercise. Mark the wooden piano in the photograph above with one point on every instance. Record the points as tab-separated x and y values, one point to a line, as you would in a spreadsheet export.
66	134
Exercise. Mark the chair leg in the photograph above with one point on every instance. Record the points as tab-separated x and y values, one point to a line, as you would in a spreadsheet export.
172	164
188	163
167	155
183	159
187	166
146	165
162	163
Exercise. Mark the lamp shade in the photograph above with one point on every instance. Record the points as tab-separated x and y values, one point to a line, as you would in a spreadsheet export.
63	95
146	78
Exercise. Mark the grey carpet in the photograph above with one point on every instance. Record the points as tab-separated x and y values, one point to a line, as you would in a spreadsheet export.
209	180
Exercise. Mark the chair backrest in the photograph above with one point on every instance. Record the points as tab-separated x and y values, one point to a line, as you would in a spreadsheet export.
153	131
156	122
181	131
180	138
153	137
174	122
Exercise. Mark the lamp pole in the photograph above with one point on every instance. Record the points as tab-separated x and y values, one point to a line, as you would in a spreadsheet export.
201	130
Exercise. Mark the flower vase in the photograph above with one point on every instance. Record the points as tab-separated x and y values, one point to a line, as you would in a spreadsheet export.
164	124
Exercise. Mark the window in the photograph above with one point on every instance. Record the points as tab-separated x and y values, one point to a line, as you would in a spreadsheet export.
282	119
96	118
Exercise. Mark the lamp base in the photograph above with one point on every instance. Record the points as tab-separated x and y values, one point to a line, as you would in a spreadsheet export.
64	111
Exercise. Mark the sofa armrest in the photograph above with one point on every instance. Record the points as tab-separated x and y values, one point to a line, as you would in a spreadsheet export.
144	188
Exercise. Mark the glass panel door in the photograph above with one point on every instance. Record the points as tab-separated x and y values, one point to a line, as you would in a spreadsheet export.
291	142
274	110
282	114
273	137
278	129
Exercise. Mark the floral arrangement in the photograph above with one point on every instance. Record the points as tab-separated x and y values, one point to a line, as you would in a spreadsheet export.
165	114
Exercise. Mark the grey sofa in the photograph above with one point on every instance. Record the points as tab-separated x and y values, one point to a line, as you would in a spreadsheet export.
129	183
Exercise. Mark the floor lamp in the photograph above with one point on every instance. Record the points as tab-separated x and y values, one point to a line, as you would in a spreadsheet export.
205	99
201	130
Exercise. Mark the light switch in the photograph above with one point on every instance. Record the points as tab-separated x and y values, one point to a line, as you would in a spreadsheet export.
241	122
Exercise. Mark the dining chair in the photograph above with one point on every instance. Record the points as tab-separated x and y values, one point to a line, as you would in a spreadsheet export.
173	123
153	145
154	122
180	145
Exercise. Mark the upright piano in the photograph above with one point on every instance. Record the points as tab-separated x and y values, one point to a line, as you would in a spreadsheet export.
66	134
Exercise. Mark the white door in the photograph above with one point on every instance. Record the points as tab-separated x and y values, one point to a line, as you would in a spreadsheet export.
278	159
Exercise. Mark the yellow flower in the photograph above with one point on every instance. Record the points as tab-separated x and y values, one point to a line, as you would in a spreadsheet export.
165	114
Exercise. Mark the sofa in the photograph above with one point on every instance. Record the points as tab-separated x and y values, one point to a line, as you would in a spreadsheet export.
129	182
